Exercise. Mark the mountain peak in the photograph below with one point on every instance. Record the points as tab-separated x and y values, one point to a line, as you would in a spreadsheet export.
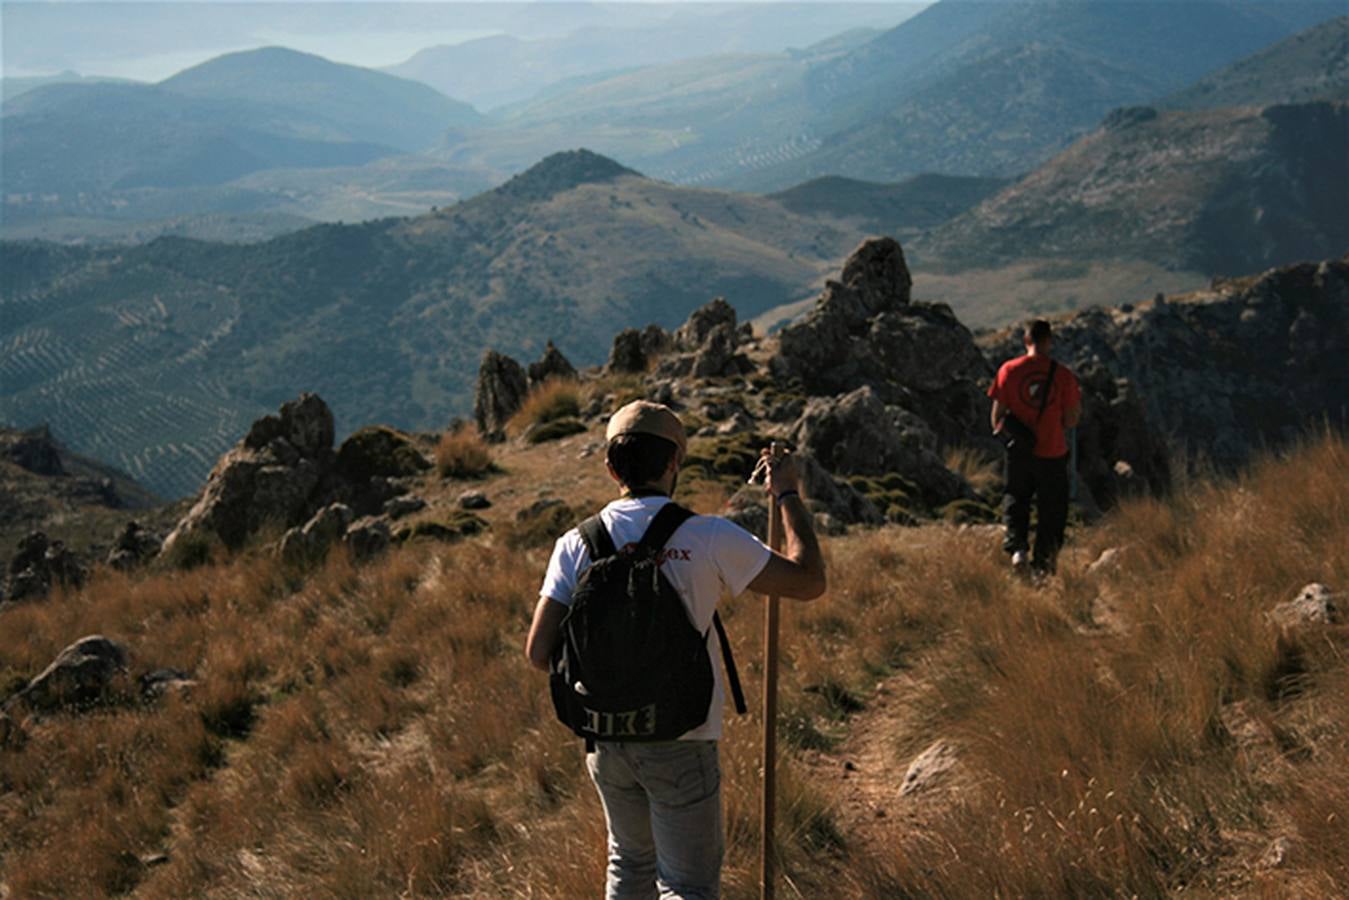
562	172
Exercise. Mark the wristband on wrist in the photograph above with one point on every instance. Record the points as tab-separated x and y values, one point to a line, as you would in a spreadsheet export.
785	494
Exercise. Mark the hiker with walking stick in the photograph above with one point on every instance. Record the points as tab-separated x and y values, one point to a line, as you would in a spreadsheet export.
624	625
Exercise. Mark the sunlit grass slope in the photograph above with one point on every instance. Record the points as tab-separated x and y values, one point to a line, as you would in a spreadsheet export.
375	731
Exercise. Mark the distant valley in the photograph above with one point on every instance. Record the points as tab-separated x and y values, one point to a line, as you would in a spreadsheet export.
155	357
190	289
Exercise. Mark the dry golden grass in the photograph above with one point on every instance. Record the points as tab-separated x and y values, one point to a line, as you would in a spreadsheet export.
375	731
462	453
983	472
555	398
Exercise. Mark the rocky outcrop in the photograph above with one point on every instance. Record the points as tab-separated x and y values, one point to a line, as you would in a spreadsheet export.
707	345
551	365
285	472
377	451
81	674
856	434
132	547
34	450
865	330
270	477
627	354
40	565
311	541
502	387
693	334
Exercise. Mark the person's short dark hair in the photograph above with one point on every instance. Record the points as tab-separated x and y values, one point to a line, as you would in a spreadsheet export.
1038	331
640	459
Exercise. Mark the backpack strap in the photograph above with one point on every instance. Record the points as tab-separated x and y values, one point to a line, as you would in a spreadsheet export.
664	525
732	676
596	538
1049	388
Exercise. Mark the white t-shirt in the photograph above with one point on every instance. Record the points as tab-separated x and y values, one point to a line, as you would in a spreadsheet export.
706	555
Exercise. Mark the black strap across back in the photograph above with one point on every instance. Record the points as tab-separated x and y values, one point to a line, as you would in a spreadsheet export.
663	526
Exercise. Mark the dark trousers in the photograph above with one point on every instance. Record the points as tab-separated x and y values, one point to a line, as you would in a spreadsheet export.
1044	481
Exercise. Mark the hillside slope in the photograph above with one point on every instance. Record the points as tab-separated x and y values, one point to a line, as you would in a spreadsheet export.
1310	65
997	88
1221	191
153	357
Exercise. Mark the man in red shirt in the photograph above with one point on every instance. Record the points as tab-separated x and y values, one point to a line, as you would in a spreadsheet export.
1044	395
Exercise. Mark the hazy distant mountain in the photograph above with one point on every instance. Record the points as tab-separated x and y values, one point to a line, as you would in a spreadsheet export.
13	86
1310	65
360	104
102	159
1220	191
502	69
975	88
73	138
898	210
994	88
156	357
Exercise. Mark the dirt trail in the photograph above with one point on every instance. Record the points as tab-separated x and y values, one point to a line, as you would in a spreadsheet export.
865	774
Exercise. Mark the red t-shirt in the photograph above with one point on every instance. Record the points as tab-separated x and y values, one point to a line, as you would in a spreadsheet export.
1018	388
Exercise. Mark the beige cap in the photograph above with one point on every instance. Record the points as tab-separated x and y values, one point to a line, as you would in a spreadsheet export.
645	417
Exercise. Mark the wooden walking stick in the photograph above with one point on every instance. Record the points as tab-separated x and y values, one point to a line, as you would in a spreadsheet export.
770	717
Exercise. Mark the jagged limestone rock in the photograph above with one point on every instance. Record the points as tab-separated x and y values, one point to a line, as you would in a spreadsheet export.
856	434
627	354
693	334
271	477
502	387
551	365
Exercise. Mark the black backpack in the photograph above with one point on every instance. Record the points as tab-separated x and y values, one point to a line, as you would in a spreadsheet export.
630	666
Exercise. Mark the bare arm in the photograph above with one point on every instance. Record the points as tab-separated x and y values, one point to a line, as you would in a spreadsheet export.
544	632
996	415
798	572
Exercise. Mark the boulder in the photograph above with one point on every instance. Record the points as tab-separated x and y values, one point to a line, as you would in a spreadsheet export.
716	357
627	353
856	434
133	547
398	507
875	279
551	365
928	768
39	565
693	334
502	388
81	674
303	426
273	475
379	451
35	450
368	537
474	500
655	341
865	330
1315	604
312	541
156	684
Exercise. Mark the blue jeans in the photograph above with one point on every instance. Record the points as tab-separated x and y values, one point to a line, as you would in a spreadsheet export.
662	803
